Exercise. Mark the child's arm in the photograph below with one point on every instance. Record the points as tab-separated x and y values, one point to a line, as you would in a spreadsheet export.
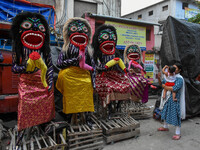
163	70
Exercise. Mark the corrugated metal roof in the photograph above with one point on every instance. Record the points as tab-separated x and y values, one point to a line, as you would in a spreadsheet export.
122	20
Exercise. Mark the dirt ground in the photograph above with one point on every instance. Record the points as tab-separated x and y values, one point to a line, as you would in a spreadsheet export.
151	139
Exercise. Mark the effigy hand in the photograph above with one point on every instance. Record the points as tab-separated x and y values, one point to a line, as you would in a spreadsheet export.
114	62
34	61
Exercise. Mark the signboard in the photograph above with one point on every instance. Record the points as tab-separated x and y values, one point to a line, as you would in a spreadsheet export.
149	66
189	13
129	34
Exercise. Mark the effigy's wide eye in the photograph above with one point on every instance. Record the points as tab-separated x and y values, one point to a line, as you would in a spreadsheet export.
26	25
105	36
42	28
73	28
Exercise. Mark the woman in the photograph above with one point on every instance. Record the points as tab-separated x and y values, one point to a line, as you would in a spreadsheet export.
174	111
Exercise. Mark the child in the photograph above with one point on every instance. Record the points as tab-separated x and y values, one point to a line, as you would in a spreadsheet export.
169	72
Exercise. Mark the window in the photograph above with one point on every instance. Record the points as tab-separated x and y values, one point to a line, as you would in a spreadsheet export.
164	8
150	13
139	16
148	35
184	5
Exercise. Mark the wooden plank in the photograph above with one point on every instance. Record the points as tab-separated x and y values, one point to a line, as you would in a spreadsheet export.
45	143
87	146
62	138
85	137
86	141
98	147
84	132
72	130
87	127
122	129
37	141
50	139
84	128
120	122
104	127
115	124
31	143
14	143
122	136
125	122
11	143
24	144
95	122
105	123
80	130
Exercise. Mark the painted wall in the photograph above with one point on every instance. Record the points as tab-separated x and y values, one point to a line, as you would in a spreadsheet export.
179	12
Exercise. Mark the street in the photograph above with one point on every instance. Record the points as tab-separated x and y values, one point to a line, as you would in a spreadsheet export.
151	139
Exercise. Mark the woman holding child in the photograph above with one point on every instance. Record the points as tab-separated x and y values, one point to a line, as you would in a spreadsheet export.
174	109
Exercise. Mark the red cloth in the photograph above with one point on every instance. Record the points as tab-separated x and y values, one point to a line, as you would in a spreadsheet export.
169	83
111	82
36	105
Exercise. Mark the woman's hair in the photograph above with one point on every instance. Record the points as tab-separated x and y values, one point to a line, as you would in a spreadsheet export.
180	67
172	69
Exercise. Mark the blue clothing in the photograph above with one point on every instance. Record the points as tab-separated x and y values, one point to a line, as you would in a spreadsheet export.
171	111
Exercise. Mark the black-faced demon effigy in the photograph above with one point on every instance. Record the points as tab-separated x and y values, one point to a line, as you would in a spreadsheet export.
111	84
76	78
32	60
139	85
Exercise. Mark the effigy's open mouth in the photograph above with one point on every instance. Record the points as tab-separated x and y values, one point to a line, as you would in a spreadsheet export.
79	39
32	39
133	56
108	47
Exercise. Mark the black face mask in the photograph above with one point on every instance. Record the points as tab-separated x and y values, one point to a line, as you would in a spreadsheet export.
32	33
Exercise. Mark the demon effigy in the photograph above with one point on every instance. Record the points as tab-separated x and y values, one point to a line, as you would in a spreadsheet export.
76	78
111	84
139	85
32	60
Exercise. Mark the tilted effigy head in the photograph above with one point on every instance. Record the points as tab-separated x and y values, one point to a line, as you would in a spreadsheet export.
77	31
132	52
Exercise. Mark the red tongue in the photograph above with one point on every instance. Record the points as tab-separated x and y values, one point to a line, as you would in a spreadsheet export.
33	39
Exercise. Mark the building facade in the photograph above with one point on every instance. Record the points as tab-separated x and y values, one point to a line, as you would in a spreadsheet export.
158	13
66	9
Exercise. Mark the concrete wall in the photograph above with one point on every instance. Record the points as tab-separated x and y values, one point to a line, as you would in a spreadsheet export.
104	7
158	13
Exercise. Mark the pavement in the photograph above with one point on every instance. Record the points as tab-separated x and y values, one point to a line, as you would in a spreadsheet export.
151	139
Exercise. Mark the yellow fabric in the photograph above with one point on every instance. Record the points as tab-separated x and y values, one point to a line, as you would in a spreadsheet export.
76	87
114	62
39	63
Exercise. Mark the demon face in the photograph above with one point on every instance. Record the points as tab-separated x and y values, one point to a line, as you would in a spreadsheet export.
107	40
78	33
32	33
133	52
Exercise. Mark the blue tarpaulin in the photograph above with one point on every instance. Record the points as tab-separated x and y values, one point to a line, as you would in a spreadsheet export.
10	8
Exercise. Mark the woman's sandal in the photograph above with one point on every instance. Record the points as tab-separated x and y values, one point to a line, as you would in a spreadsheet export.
163	129
176	137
